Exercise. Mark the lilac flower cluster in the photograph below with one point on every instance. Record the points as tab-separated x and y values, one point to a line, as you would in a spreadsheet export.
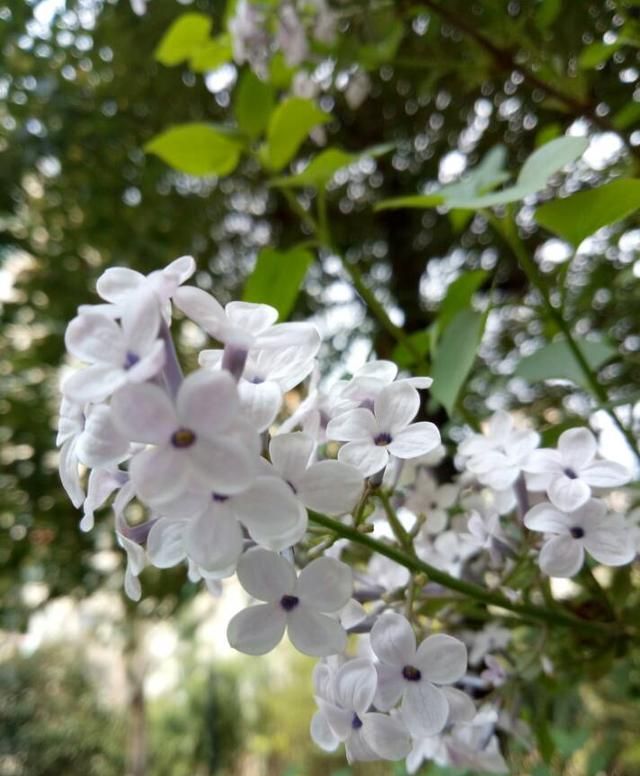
227	479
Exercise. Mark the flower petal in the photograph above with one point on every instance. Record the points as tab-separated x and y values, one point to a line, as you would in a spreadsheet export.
258	629
101	444
605	474
609	542
254	318
325	584
223	465
415	440
314	633
95	338
353	424
140	322
339	720
367	457
158	474
578	447
396	406
385	371
390	687
93	383
332	487
461	707
260	403
266	575
424	709
355	685
201	307
214	539
150	365
271	513
546	518
566	493
207	401
543	462
387	736
69	475
116	283
322	734
144	413
291	453
561	556
442	659
393	640
165	543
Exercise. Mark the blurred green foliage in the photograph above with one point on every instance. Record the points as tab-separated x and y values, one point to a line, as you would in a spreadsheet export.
89	87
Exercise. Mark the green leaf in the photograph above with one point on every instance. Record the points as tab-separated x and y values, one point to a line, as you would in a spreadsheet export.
597	53
556	361
212	55
576	217
183	38
547	13
277	277
420	343
253	103
459	295
536	171
550	159
455	357
289	125
626	117
196	149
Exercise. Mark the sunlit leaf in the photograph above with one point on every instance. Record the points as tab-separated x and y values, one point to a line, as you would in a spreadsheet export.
289	125
196	149
597	53
185	36
277	277
253	103
212	54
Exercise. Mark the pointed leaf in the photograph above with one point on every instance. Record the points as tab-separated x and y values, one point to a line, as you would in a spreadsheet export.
556	361
277	277
196	149
289	125
183	38
576	217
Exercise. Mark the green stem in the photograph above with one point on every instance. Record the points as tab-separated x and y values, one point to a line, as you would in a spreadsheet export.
396	526
507	229
415	565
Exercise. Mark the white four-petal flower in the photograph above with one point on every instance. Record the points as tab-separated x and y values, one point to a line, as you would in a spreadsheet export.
372	436
302	605
605	537
192	443
344	702
569	473
417	675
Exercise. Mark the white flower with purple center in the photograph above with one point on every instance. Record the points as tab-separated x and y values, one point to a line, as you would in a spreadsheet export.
605	537
206	527
191	439
344	701
118	354
372	437
569	473
418	676
306	606
432	500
